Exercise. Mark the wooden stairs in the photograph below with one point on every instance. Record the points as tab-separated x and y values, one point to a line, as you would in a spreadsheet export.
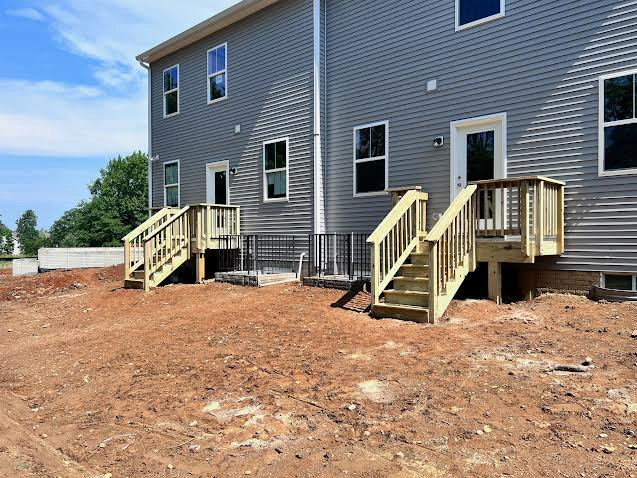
415	273
159	246
408	297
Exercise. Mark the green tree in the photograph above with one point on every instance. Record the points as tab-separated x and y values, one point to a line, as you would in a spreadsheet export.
28	235
118	204
6	240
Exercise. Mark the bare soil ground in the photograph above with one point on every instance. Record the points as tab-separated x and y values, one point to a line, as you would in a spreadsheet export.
222	381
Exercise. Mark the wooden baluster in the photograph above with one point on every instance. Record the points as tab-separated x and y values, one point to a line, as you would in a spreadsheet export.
525	217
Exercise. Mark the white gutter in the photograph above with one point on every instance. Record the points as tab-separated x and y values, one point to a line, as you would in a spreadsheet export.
317	116
150	140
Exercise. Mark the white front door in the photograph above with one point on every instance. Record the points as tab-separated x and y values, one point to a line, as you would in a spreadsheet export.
217	185
478	152
478	148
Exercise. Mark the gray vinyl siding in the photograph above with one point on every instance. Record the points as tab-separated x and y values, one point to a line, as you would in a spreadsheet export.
540	64
270	65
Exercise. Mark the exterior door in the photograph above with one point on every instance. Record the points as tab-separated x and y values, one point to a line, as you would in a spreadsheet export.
217	186
479	153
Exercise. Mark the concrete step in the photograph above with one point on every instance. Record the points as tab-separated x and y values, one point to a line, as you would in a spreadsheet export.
133	284
419	258
402	312
138	274
412	270
407	297
411	283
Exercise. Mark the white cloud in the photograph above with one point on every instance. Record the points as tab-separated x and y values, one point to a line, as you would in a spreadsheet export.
109	116
28	13
54	119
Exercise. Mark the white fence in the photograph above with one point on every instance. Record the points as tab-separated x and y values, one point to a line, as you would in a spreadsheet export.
25	267
80	258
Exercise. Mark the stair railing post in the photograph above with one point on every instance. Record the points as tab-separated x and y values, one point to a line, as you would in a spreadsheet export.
126	260
147	265
375	275
433	281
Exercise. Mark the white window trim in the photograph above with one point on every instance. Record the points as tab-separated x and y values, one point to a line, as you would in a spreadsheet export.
634	276
482	20
212	168
377	158
224	71
603	124
171	91
277	170
178	183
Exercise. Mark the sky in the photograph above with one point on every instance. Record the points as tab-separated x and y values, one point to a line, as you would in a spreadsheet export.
73	96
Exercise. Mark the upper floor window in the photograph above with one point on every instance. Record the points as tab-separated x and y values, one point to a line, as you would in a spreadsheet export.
217	73
275	170
370	158
475	12
618	124
171	91
171	184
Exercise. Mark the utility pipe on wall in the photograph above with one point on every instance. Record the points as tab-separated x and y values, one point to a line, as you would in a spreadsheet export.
150	139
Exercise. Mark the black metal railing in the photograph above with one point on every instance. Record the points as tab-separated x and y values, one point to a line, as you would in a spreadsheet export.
258	254
339	255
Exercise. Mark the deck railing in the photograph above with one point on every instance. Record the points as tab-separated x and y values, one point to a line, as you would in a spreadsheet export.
529	207
395	239
452	249
212	221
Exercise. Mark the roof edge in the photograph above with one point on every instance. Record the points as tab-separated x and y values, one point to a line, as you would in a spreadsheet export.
213	24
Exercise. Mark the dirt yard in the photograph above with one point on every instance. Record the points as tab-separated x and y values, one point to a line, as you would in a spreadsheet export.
287	381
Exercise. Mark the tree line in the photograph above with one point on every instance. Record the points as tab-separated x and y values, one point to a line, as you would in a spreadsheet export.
118	203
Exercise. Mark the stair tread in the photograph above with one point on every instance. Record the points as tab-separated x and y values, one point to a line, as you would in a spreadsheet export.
420	279
414	308
406	292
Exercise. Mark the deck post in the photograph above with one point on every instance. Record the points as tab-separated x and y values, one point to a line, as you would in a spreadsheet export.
200	267
538	220
525	215
560	220
495	282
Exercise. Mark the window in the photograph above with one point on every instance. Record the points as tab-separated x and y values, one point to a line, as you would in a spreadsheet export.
474	12
618	124
171	91
217	77
620	282
370	159
171	184
275	170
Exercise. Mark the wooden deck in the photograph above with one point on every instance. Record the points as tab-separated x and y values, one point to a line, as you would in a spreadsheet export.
511	220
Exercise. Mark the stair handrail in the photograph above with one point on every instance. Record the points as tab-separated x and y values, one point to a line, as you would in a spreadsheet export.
165	242
134	240
395	238
452	243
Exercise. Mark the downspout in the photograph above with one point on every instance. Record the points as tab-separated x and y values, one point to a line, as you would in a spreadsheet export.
317	116
150	139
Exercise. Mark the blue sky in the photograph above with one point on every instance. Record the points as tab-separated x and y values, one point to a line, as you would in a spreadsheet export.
73	95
